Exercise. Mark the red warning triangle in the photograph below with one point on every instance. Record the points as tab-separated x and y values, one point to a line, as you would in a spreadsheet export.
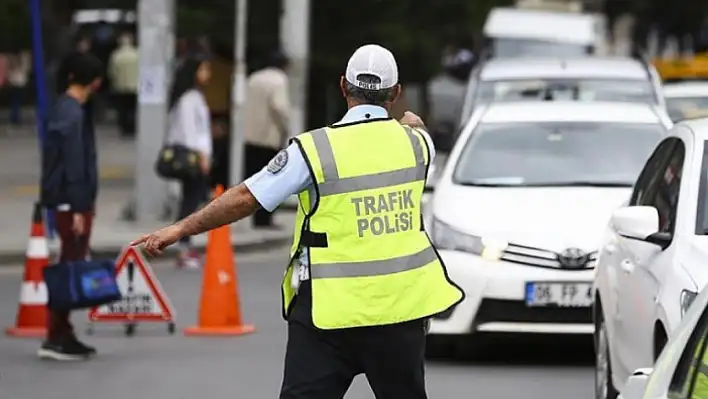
143	296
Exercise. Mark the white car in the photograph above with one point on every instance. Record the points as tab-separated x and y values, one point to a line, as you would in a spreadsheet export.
620	79
653	259
686	100
682	368
518	211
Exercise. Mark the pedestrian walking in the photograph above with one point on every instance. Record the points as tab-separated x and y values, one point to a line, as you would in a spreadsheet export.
190	126
266	121
20	66
364	278
69	186
123	72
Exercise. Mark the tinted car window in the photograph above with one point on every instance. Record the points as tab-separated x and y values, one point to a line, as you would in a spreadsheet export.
702	211
552	154
651	170
668	188
566	89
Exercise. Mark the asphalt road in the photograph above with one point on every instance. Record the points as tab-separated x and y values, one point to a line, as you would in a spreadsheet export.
154	365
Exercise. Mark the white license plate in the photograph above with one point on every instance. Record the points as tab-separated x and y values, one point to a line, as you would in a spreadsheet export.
568	294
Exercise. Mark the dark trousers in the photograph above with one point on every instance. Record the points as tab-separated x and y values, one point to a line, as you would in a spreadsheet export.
16	98
194	192
73	248
257	157
322	364
126	105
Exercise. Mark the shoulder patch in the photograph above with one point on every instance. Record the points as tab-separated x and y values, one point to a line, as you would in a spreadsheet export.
278	162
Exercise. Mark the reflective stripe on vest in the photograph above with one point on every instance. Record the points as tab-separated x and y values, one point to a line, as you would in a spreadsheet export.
376	267
334	185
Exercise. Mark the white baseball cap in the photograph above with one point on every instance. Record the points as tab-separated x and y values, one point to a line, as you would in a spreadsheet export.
375	60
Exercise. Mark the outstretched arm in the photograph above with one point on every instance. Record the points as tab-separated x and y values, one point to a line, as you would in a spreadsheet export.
287	174
235	204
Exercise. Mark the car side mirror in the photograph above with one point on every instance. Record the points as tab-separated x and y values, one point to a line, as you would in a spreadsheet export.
431	180
636	384
640	223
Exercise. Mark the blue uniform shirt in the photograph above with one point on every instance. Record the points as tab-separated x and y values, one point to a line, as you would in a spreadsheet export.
272	189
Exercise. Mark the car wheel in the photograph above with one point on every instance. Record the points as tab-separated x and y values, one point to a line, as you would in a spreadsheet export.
604	389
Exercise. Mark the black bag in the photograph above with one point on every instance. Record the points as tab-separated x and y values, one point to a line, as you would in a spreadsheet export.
81	284
178	162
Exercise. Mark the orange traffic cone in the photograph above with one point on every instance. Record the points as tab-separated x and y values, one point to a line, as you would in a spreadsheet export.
32	312
219	309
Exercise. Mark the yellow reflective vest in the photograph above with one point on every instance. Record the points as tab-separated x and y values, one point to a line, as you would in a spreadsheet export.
370	261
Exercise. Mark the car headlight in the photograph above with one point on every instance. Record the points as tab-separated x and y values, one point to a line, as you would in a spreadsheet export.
446	237
687	298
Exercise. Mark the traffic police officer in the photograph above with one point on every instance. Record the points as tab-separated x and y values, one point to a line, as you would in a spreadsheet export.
363	277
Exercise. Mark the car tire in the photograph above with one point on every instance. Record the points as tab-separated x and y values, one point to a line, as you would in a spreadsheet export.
604	388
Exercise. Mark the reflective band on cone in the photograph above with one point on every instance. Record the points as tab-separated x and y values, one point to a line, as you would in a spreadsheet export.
37	248
33	293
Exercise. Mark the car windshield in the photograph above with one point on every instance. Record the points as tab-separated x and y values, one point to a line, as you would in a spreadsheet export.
556	154
681	108
566	89
512	48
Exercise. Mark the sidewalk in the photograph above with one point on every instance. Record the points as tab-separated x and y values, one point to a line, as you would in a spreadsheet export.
19	177
111	234
20	159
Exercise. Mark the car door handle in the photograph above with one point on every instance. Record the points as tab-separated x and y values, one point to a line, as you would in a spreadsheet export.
627	266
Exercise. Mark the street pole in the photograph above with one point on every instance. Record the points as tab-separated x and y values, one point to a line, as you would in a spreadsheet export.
156	50
295	39
42	106
238	93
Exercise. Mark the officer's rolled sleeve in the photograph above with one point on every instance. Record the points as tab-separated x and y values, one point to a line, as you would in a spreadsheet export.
272	189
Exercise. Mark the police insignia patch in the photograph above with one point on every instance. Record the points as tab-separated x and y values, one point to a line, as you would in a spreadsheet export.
278	162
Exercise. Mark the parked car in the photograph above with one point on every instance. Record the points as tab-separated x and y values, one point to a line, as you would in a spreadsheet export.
518	211
652	261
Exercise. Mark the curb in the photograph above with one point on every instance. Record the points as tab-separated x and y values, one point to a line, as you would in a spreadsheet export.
14	258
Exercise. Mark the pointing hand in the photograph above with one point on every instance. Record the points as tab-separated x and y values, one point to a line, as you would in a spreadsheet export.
156	242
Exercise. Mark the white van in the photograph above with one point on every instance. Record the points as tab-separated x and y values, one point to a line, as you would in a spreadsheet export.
513	32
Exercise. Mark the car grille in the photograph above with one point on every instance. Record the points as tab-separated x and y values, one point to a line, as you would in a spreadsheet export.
498	310
538	257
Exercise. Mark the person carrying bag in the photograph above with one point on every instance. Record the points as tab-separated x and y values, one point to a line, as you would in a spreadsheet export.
187	153
69	187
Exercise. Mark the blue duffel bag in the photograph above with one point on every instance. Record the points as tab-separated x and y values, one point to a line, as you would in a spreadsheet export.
81	284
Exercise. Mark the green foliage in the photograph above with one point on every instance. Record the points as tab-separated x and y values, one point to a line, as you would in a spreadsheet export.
15	31
415	30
